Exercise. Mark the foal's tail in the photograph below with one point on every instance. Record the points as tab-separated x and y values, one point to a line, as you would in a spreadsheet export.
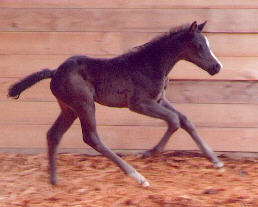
16	89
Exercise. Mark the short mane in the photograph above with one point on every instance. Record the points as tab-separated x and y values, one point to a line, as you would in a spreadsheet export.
172	33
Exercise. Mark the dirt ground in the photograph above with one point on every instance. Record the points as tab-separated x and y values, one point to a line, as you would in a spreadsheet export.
176	181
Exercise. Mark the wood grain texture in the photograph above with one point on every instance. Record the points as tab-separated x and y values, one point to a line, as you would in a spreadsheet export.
111	43
70	43
219	115
133	4
131	137
158	20
215	92
234	68
41	34
178	91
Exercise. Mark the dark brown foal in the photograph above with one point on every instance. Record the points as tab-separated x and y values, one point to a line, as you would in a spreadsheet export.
136	80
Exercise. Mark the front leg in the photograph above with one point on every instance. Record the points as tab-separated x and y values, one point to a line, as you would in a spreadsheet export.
186	124
156	110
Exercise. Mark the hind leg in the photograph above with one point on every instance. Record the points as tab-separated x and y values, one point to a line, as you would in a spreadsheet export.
86	113
54	135
78	93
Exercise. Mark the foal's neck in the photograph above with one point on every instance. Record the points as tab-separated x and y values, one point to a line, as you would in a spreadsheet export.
170	54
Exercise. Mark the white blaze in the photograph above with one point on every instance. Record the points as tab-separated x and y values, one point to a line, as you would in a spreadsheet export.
208	44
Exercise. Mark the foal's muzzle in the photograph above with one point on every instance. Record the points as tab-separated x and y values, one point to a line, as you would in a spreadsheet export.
215	69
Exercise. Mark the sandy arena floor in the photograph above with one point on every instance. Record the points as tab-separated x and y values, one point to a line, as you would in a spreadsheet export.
85	181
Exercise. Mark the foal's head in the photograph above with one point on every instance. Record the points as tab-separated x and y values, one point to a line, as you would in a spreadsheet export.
198	50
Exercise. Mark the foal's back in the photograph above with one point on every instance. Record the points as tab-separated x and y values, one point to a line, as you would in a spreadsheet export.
108	81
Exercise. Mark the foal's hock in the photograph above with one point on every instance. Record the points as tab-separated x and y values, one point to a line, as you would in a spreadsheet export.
136	80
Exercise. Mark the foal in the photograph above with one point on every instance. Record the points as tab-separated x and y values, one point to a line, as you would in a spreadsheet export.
136	80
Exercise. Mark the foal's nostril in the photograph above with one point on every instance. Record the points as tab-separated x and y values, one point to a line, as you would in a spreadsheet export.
217	67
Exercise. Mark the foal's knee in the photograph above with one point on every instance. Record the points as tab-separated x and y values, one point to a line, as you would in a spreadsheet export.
89	142
94	141
185	122
173	122
88	139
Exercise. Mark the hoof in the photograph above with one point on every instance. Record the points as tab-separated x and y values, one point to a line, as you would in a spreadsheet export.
146	154
53	181
139	178
218	164
149	153
145	184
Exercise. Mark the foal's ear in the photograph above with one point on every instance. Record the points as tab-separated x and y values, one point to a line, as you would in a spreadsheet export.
193	27
201	26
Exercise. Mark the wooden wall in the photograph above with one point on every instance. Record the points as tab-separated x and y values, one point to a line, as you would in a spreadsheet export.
41	34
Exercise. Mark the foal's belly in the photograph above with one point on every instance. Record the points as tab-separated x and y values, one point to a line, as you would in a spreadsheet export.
113	97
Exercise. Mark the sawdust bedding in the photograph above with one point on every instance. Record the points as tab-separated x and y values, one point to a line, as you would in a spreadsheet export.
86	181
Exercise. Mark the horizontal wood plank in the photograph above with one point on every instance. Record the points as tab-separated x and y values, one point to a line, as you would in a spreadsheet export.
234	68
70	43
178	91
204	115
111	43
215	92
132	137
158	20
133	4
